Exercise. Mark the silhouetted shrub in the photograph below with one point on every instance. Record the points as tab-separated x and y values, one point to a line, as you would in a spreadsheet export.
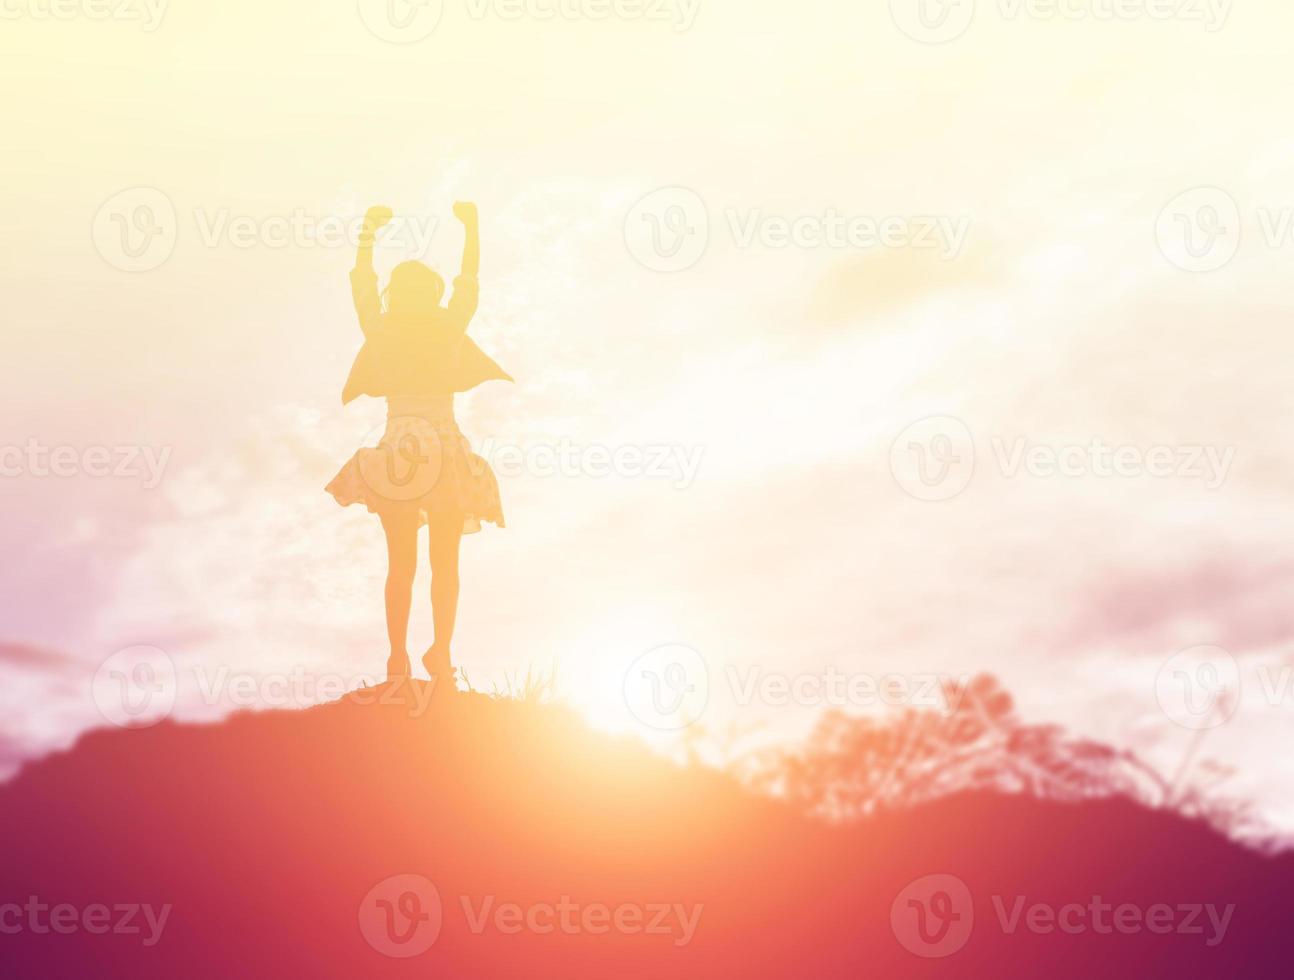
855	766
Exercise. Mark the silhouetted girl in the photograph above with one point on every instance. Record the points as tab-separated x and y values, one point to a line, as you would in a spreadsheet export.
416	355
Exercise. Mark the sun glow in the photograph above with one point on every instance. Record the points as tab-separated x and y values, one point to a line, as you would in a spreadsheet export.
605	653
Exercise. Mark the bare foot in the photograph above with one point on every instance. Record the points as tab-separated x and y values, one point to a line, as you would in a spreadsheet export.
398	667
437	663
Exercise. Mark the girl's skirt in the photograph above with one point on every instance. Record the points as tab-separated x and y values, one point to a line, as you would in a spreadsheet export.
422	467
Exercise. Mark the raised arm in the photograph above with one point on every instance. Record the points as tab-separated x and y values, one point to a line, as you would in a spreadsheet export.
462	305
363	279
465	212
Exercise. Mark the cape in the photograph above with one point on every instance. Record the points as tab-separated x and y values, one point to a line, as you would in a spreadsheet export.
418	362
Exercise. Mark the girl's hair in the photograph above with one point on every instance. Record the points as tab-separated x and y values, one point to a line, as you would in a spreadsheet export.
414	287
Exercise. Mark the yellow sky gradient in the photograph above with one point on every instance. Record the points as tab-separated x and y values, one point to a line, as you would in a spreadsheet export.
792	370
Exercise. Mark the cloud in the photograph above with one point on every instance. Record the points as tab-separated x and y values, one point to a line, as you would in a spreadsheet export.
1239	602
23	656
884	280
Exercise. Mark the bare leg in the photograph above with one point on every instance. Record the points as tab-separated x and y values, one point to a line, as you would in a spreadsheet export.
445	532
402	563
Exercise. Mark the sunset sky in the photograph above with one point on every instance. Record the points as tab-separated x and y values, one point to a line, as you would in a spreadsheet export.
784	373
